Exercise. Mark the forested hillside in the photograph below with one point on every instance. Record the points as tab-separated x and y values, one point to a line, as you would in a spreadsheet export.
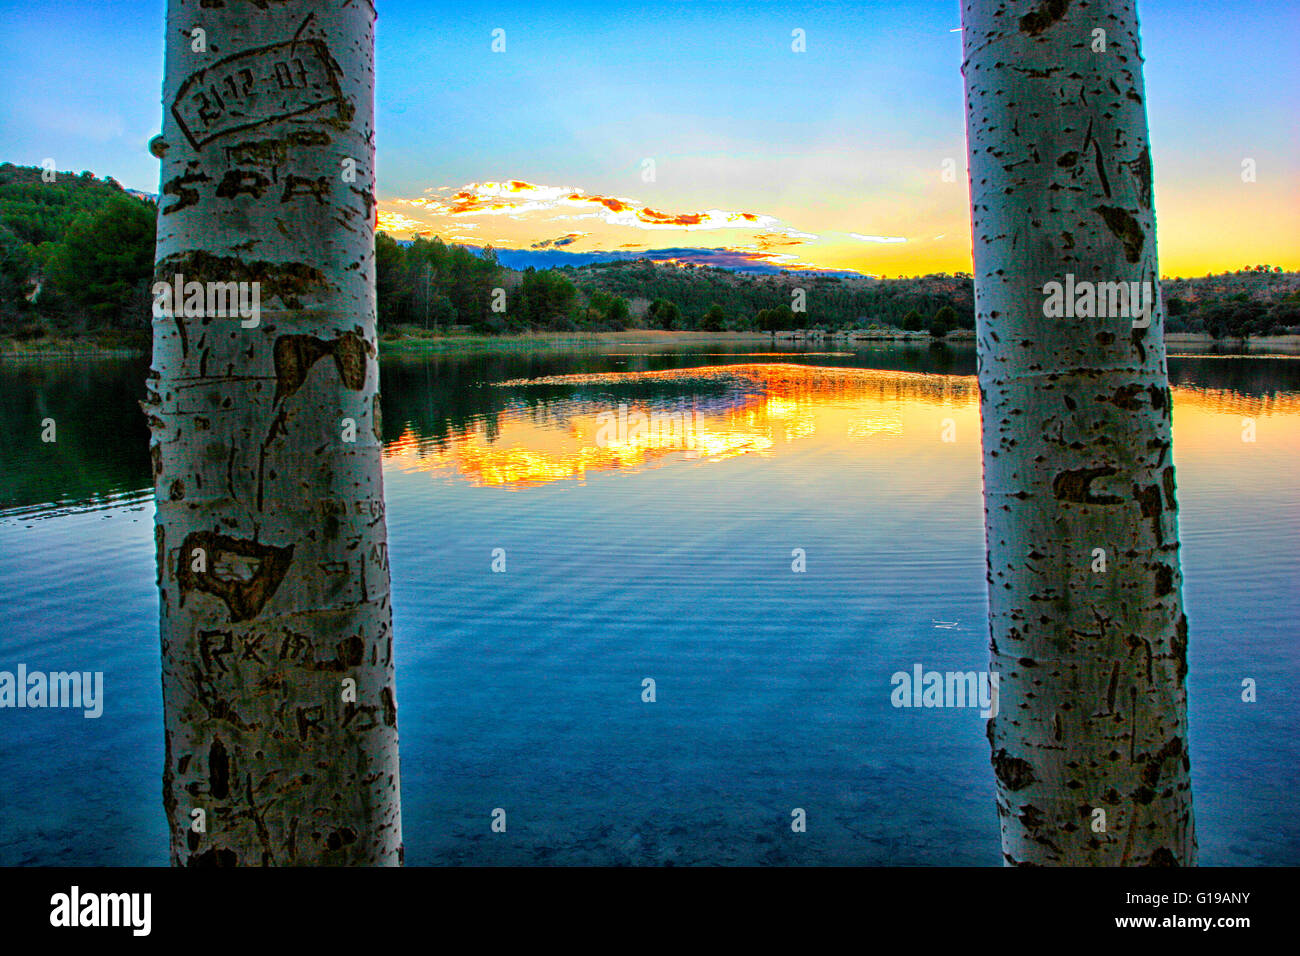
429	284
76	253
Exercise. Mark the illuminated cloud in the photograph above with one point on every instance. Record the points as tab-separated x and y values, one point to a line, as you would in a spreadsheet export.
517	198
536	204
769	240
395	222
857	235
554	225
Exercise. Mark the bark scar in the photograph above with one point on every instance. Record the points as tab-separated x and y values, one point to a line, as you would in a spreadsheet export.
1076	486
1122	224
247	587
1015	774
1047	13
296	354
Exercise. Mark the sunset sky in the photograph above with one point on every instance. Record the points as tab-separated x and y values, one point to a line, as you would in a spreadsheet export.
831	158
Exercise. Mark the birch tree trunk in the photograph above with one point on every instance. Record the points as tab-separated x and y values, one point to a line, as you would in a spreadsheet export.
1088	636
281	722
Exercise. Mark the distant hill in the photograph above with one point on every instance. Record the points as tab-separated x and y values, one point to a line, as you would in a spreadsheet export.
37	211
1256	283
722	258
830	300
1257	300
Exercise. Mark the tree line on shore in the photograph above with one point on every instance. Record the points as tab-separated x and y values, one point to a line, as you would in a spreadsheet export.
76	257
428	284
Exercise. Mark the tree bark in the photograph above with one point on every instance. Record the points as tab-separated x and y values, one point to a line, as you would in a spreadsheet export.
278	687
1078	458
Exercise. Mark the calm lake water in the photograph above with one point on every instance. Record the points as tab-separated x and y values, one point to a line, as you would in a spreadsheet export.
629	557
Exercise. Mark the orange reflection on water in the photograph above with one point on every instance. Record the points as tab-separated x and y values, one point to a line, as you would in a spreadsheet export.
757	409
765	407
1215	425
1227	402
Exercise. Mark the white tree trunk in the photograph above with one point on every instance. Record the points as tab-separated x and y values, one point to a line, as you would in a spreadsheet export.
1077	443
271	539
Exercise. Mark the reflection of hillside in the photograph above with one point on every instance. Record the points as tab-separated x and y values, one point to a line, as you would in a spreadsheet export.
101	446
546	428
723	411
796	383
438	394
445	410
1234	403
1248	377
438	397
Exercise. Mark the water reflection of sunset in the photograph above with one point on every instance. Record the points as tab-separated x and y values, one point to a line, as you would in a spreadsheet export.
760	409
605	422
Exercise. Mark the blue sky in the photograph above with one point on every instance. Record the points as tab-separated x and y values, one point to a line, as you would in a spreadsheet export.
844	140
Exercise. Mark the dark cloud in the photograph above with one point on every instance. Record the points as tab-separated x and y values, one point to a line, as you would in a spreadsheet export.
559	242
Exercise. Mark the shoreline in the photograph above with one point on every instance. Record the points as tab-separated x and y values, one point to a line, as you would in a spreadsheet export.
139	345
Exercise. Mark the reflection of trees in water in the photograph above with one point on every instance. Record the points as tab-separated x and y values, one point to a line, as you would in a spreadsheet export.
1228	402
1249	378
738	406
102	439
842	385
711	412
443	398
102	446
438	396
